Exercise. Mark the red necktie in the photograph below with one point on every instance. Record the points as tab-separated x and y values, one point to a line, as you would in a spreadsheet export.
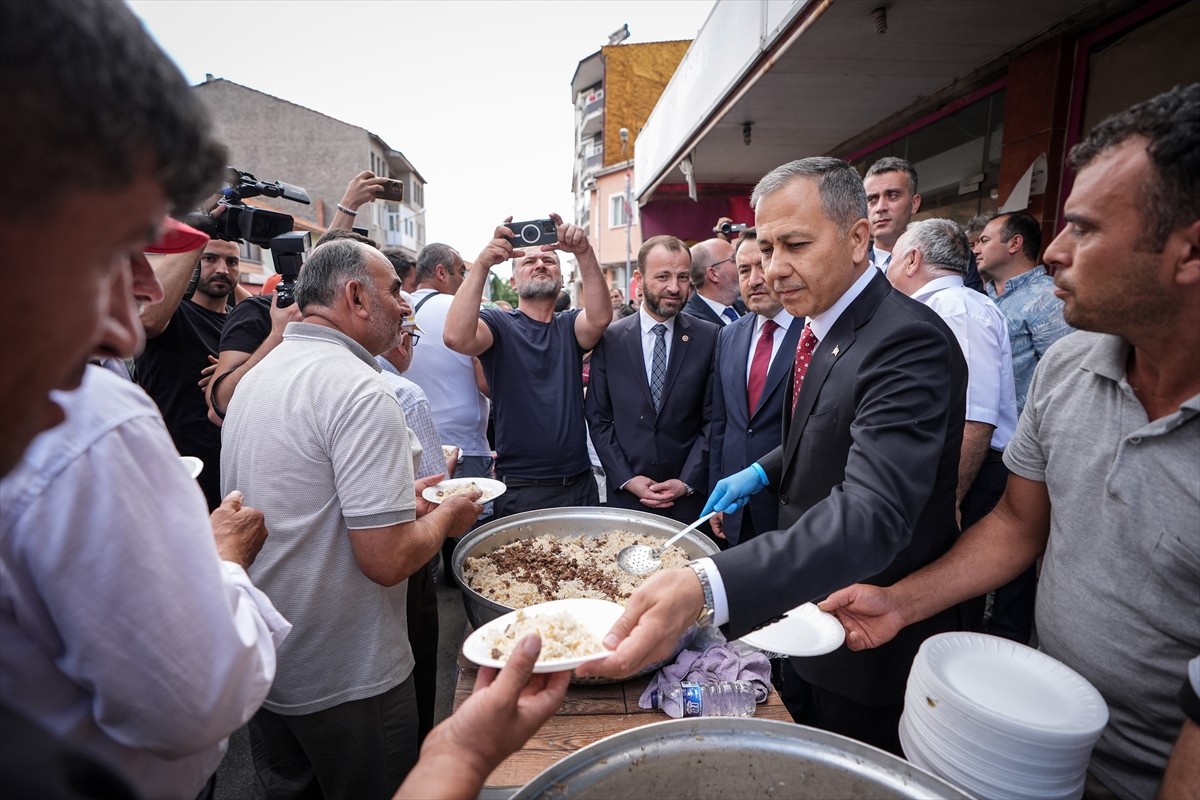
760	363
804	352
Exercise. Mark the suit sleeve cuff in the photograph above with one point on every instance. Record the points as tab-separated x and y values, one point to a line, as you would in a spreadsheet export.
720	600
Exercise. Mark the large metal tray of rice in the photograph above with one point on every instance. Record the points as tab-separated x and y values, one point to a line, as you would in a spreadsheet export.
591	523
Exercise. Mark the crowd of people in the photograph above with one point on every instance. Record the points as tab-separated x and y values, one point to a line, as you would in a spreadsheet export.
898	387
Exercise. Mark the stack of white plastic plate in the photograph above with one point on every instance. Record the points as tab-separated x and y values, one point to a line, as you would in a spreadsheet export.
1000	719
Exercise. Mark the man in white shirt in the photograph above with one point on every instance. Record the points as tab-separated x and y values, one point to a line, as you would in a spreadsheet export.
125	626
929	262
928	265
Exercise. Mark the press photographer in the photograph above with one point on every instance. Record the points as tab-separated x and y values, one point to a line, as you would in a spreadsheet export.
254	328
183	331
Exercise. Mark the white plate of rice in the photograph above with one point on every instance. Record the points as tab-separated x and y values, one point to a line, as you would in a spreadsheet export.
572	632
491	489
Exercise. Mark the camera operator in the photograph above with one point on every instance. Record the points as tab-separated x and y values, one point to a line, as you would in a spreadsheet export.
255	328
183	333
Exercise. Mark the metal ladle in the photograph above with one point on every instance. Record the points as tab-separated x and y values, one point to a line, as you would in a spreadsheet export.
642	559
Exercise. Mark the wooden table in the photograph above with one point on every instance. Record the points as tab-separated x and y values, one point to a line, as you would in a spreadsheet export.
589	713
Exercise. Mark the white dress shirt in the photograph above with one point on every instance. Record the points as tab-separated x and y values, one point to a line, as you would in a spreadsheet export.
880	259
121	630
718	309
982	333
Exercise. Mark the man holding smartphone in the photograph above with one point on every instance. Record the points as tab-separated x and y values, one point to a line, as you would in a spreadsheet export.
533	360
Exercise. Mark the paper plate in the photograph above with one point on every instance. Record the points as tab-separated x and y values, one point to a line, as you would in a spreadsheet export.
804	631
491	489
1014	686
194	465
598	616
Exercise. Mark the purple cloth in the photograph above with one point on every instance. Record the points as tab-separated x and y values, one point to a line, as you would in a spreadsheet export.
715	662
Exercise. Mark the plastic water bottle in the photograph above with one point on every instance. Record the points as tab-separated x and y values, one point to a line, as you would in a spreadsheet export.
721	699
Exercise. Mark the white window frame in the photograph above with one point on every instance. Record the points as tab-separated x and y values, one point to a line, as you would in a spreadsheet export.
616	210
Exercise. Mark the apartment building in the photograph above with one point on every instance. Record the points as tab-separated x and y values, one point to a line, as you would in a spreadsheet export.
614	91
277	140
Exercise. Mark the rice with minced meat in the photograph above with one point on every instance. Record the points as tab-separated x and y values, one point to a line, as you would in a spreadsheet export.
562	637
548	567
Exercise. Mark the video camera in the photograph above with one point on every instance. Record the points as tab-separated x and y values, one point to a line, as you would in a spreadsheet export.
729	228
259	226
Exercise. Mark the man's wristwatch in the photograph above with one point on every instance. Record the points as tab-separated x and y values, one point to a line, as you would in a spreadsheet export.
705	620
688	491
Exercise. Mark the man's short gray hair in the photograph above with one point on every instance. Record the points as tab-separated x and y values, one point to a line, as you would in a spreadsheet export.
328	268
941	242
843	198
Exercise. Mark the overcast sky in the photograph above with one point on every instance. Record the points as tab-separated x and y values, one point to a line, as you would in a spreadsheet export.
477	95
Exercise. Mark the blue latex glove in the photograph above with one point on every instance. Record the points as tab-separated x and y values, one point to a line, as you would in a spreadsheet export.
734	491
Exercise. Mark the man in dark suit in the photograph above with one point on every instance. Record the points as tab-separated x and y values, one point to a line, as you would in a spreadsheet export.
751	377
649	393
714	284
866	474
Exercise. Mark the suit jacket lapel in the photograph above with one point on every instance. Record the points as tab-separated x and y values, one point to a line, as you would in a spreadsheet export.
631	338
679	348
839	339
741	349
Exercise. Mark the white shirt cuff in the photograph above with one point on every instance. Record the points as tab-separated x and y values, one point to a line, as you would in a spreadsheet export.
275	623
720	600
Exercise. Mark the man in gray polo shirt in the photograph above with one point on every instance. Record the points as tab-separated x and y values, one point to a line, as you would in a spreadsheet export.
1104	459
317	440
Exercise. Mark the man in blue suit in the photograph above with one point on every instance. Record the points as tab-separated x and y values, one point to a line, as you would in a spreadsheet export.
648	402
750	371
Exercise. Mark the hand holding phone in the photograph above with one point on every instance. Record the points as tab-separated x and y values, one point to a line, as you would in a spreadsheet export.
392	190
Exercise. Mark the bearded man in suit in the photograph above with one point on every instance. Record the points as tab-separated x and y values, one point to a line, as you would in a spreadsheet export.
649	392
866	475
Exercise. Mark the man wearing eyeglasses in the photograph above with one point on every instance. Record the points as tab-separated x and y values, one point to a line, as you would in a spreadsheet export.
714	283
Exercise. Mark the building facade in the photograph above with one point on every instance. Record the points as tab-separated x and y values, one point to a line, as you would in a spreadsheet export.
614	90
276	140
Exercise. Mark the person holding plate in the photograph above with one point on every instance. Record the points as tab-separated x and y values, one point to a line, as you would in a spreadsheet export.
318	441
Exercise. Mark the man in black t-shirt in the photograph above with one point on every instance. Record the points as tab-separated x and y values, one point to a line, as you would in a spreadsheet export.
182	338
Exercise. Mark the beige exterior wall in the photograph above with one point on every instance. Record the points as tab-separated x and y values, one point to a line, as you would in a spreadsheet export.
634	78
276	140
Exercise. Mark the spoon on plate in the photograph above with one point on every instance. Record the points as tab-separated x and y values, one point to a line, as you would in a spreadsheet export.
642	559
